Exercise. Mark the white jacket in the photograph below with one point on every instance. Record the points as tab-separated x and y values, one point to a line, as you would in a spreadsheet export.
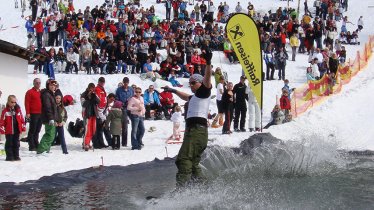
360	22
52	25
72	57
254	111
315	70
176	117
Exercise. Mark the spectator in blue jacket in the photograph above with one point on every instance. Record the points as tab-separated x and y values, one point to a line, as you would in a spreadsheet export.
158	37
152	102
30	32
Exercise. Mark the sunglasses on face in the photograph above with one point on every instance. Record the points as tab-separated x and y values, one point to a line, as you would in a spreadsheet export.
192	82
138	92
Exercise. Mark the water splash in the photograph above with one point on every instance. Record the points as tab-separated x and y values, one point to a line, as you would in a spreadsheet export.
277	174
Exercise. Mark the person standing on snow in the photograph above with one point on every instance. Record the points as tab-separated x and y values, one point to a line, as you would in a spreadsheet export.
195	139
228	99
12	125
49	116
34	9
360	24
2	107
62	117
254	111
240	105
30	32
33	107
136	106
89	102
123	94
98	140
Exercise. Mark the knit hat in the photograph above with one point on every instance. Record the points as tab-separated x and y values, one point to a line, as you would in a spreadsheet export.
118	104
197	78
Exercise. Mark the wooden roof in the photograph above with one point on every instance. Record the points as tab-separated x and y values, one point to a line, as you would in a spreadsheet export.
15	50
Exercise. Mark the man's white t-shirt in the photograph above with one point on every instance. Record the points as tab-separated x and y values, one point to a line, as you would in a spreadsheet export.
219	94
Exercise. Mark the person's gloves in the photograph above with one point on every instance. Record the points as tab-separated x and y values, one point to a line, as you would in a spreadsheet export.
51	122
208	57
168	89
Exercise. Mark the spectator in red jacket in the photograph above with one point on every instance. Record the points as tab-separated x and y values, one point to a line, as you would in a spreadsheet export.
39	31
33	106
167	103
12	125
285	102
98	139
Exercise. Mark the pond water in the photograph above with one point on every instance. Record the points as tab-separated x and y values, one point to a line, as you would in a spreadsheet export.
277	175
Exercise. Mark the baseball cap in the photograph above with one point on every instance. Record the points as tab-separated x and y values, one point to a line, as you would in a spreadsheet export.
197	78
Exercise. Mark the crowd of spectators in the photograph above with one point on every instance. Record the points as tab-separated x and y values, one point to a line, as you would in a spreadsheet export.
122	37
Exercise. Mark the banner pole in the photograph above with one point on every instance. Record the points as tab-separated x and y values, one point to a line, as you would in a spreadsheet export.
262	93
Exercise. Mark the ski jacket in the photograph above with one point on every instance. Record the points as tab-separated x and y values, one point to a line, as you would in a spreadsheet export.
176	117
285	102
294	41
29	27
164	96
6	121
114	121
33	102
89	103
101	94
62	115
49	107
156	97
39	28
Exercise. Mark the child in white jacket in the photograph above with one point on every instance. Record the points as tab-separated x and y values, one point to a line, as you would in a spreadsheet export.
176	118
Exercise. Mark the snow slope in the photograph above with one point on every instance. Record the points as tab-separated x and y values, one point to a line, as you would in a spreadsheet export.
344	118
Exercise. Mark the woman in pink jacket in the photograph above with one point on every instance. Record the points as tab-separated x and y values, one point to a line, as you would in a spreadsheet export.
136	107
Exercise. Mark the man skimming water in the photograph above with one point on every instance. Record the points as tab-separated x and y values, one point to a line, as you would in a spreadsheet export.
195	139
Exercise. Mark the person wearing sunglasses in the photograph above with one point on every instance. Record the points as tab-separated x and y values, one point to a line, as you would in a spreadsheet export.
12	125
136	106
196	132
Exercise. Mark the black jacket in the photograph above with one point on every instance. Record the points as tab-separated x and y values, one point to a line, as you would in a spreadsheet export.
227	104
49	107
90	102
240	95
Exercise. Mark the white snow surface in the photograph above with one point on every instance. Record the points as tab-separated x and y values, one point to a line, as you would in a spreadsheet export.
344	118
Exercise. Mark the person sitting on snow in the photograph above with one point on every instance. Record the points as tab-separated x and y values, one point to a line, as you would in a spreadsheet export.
277	117
151	102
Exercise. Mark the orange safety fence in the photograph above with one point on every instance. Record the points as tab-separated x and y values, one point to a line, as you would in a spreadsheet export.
314	92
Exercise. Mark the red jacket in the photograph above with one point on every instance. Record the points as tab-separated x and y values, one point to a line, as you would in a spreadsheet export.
113	29
6	121
39	27
100	92
285	102
164	96
33	102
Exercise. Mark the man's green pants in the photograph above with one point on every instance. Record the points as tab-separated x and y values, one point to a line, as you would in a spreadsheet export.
194	143
47	139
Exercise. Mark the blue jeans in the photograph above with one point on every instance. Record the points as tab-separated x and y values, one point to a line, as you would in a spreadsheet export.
122	66
103	68
51	71
137	131
61	136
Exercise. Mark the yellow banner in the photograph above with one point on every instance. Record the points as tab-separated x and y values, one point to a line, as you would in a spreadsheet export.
244	37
